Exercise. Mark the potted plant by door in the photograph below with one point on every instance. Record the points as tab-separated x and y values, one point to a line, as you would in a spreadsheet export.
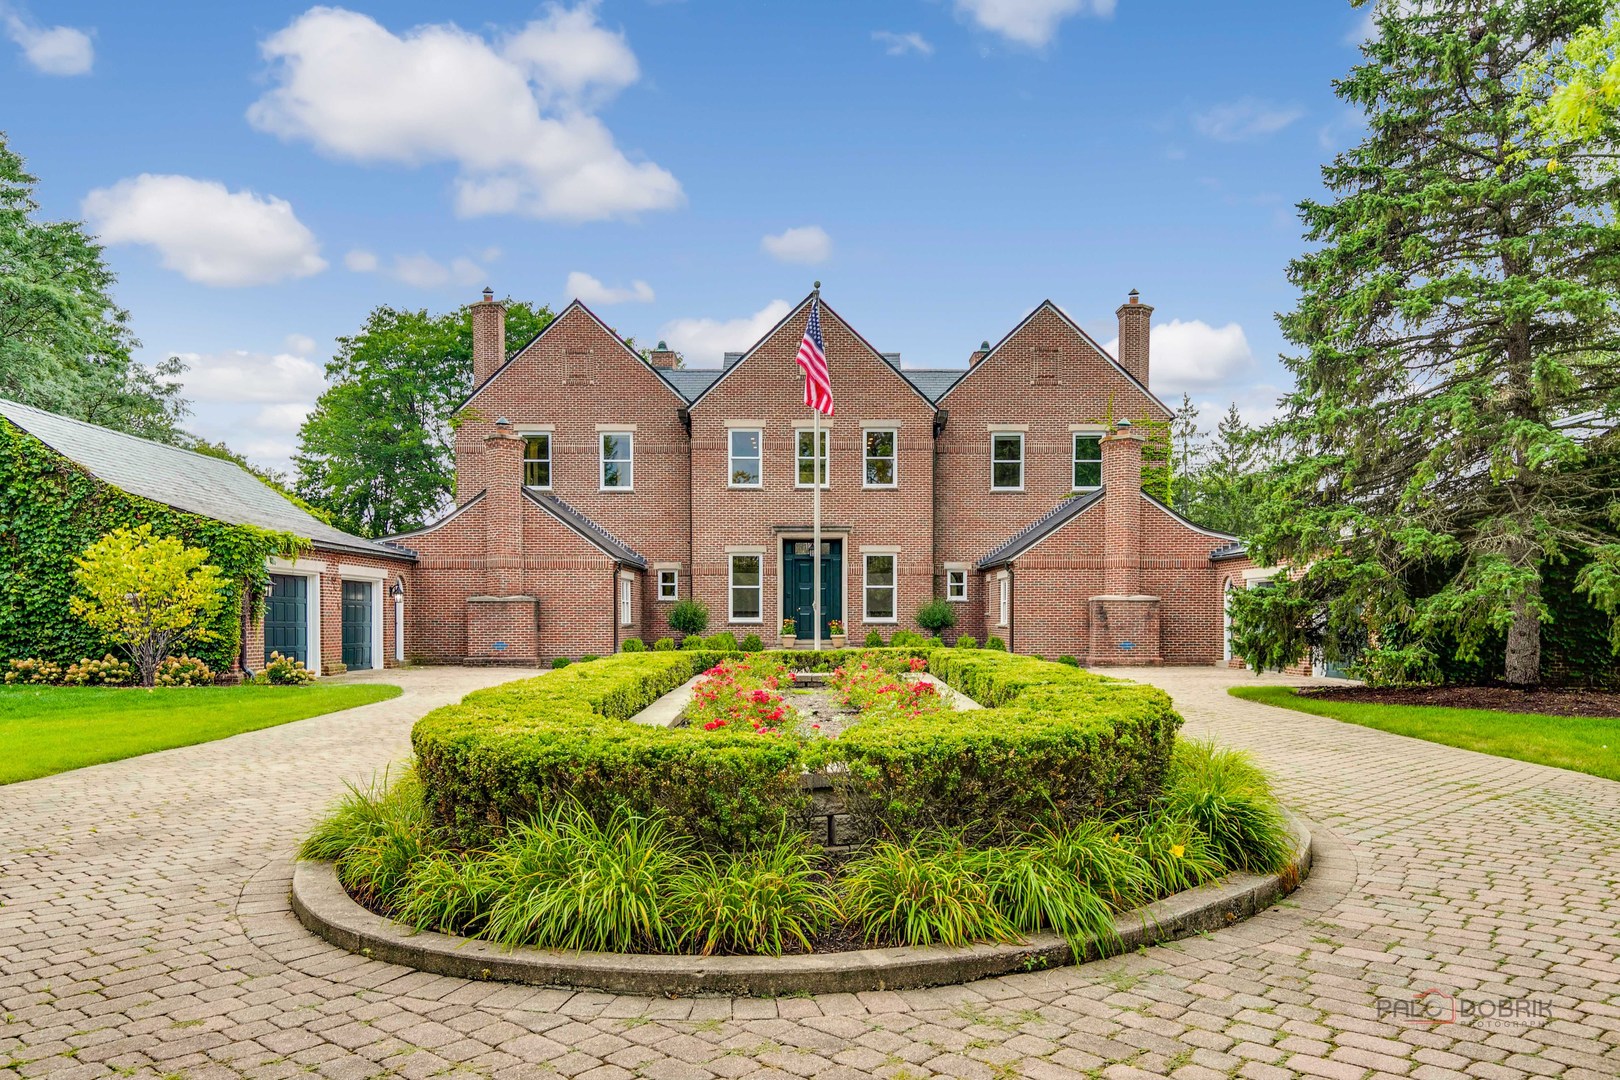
788	629
835	629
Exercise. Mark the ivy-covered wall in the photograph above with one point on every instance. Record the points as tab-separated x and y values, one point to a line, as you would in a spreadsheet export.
51	510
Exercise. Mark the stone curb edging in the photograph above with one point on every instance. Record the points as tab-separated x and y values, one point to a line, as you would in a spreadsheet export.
322	904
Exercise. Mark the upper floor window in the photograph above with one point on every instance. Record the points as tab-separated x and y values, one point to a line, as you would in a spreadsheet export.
1007	461
1087	461
745	470
807	466
537	460
669	584
880	458
618	460
956	586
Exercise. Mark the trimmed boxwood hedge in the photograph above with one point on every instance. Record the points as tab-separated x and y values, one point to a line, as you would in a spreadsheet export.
1053	742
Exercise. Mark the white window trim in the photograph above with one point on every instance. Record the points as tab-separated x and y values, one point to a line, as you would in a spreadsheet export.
601	457
527	435
627	602
759	461
894	458
955	599
675	573
1004	595
994	435
894	587
731	586
1074	458
826	435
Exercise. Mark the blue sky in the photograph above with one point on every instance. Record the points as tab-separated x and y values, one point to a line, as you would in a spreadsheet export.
265	173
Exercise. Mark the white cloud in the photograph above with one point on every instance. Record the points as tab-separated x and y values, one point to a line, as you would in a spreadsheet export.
806	244
360	261
237	376
1246	118
588	290
52	50
897	44
421	270
514	115
299	344
207	233
286	418
704	342
1193	354
1029	22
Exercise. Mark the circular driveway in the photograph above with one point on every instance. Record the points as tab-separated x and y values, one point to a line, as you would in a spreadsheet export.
144	931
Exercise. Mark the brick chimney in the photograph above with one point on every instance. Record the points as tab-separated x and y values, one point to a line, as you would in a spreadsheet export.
489	337
979	354
503	510
1122	510
1134	320
662	357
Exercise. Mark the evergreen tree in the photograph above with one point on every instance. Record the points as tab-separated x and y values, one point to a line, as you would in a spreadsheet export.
1229	487
378	451
1187	444
1456	334
64	345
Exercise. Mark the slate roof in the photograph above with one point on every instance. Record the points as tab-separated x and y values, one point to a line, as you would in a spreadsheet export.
590	530
690	382
933	382
1039	529
186	480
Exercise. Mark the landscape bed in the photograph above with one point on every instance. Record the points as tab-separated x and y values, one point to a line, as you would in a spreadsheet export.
536	816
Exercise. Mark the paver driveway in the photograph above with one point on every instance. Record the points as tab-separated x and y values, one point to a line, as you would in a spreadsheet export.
144	932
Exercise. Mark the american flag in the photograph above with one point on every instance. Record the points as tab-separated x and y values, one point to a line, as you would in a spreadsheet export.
813	359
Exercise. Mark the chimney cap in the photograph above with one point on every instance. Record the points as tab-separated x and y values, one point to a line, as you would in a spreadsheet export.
503	422
1123	424
1134	298
489	294
984	346
662	347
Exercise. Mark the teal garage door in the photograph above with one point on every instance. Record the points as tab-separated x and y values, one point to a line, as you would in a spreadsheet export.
286	617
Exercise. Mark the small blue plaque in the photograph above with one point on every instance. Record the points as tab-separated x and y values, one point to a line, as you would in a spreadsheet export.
1127	644
499	646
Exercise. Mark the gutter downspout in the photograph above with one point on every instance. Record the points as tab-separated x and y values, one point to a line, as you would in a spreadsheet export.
1012	609
613	595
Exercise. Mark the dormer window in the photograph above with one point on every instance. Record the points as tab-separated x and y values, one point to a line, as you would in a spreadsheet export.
537	461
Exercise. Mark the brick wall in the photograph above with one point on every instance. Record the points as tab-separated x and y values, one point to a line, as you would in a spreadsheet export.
330	565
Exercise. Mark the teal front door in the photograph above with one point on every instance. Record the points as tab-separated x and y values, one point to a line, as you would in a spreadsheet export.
798	575
357	609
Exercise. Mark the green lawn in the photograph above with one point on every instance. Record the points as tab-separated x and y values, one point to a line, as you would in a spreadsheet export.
1568	742
51	729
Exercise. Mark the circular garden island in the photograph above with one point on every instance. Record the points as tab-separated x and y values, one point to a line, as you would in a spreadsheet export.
810	821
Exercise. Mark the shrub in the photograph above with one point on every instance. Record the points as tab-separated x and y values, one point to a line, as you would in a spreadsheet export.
285	671
921	895
664	644
935	642
108	671
724	641
692	642
754	902
907	639
336	667
993	642
936	616
1176	853
1226	797
689	616
560	662
1036	892
874	640
634	644
450	892
374	834
752	643
32	672
743	695
1069	661
588	657
967	641
183	670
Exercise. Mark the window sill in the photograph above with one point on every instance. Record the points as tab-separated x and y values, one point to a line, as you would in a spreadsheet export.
880	622
745	622
880	487
956	600
744	487
1087	490
1006	490
536	487
616	489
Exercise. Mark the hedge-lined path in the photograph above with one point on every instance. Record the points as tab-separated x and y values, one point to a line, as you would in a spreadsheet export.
144	932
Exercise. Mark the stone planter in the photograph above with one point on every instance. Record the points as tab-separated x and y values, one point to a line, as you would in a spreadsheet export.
839	641
789	641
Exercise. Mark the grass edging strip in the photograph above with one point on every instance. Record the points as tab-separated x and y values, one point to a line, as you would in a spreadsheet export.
326	909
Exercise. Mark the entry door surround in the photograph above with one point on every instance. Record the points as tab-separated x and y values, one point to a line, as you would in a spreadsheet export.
783	538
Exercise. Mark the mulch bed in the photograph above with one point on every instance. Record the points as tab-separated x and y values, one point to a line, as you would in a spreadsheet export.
1556	702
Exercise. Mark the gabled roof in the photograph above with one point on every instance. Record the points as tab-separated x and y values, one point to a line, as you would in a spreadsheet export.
752	349
1045	305
608	330
1039	529
690	382
615	548
184	479
933	382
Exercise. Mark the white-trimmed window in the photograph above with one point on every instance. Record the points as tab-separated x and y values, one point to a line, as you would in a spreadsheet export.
879	589
1007	461
806	466
745	470
669	584
618	460
537	460
881	471
1087	461
956	586
747	589
1005	583
626	601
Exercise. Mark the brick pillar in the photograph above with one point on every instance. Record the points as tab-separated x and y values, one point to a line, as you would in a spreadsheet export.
503	511
1122	510
489	337
1135	319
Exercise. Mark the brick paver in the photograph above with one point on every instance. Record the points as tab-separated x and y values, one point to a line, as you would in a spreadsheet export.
144	932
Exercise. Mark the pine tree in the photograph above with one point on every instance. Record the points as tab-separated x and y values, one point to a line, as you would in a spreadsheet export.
1456	332
1187	442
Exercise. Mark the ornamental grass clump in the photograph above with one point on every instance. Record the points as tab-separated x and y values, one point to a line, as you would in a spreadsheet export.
374	835
756	902
927	893
1228	799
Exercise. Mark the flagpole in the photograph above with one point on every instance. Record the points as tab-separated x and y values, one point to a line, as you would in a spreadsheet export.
815	512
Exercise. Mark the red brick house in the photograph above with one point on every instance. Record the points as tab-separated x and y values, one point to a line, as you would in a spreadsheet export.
595	487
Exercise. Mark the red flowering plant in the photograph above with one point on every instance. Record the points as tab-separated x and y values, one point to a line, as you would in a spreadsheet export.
741	695
876	685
